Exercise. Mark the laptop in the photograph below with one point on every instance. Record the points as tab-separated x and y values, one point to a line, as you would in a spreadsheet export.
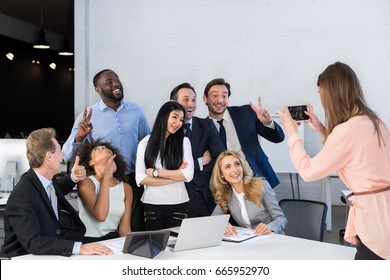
199	232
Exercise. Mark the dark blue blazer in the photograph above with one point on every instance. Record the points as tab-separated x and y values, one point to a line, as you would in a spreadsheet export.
30	224
204	137
248	127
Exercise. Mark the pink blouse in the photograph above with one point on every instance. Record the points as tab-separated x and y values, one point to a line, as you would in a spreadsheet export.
352	150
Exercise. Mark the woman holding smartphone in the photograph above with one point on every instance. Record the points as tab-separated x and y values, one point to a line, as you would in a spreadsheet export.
357	147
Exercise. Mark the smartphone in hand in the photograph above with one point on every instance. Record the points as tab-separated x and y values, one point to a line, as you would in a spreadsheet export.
298	112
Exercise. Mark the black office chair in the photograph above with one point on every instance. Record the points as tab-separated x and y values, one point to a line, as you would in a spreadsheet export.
306	218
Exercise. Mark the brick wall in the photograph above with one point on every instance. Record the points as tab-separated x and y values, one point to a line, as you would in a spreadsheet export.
274	49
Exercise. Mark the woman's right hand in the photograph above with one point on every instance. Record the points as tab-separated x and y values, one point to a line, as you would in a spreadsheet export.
110	167
230	230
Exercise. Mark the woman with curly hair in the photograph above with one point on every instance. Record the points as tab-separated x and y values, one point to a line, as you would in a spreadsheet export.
105	197
249	200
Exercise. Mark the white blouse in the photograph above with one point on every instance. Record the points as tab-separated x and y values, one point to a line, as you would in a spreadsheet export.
170	194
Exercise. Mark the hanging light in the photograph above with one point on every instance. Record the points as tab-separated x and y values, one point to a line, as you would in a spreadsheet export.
41	43
66	49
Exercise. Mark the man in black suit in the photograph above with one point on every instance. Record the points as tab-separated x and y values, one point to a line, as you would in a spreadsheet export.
38	219
206	146
241	126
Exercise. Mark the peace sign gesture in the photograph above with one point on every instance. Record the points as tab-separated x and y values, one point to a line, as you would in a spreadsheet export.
85	126
261	113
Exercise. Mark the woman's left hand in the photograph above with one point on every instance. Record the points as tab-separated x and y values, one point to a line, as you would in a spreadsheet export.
287	121
262	229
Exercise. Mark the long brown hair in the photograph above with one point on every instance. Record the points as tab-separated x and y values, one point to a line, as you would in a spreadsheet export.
343	97
222	191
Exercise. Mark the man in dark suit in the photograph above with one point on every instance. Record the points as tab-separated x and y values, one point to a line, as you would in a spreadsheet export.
206	146
38	219
241	126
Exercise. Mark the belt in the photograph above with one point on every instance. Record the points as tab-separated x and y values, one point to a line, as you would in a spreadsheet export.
365	193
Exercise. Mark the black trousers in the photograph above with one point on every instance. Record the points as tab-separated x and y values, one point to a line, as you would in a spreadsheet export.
164	216
137	209
363	253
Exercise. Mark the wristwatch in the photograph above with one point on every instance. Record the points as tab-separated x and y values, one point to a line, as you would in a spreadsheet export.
155	173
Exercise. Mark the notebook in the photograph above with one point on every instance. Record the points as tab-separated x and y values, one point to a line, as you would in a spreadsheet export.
242	234
199	232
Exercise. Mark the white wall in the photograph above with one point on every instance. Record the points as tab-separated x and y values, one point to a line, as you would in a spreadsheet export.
274	49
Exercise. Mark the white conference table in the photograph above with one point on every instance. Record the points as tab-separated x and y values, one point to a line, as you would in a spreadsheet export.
274	247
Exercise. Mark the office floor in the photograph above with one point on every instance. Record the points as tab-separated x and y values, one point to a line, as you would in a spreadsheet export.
338	223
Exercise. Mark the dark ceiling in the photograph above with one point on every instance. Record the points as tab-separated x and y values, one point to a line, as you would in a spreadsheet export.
55	13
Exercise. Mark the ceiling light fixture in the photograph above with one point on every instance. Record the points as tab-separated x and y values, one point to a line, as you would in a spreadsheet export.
41	43
66	49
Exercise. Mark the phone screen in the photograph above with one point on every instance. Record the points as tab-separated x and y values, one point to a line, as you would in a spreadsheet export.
298	112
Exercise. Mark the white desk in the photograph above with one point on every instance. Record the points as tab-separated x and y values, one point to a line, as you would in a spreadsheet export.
276	247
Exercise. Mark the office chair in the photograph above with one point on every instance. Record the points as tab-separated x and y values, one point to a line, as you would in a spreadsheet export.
306	218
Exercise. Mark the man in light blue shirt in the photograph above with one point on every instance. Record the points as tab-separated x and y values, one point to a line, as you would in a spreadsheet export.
113	119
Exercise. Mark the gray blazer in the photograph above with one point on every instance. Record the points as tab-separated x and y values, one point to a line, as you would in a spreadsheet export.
269	213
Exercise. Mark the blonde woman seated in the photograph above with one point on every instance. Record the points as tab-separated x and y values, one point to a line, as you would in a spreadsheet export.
249	200
105	197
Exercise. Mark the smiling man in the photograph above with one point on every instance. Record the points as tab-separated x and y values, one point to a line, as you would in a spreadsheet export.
113	119
240	126
206	146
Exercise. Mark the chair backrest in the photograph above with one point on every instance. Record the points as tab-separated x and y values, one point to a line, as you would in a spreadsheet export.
306	218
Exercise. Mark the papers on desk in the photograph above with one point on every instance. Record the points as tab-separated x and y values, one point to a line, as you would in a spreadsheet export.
116	244
4	198
242	235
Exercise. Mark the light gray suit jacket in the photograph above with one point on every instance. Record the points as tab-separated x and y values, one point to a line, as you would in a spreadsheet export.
269	213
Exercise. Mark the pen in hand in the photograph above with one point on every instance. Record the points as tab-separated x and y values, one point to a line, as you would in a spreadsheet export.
230	230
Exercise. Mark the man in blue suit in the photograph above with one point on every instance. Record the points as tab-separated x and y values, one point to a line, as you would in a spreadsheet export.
206	145
240	126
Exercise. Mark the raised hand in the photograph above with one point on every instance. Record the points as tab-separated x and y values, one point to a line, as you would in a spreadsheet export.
261	113
110	167
287	121
78	171
315	123
85	126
